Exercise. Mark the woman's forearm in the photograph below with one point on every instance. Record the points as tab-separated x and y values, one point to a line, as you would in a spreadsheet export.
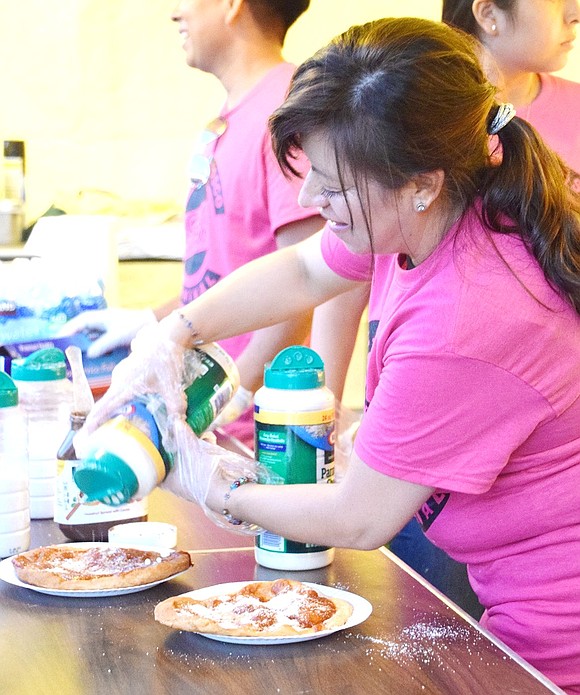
363	511
269	290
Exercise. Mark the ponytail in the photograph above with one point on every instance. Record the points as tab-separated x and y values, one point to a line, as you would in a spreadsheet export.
531	187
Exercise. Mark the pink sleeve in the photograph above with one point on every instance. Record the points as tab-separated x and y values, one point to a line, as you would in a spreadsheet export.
447	421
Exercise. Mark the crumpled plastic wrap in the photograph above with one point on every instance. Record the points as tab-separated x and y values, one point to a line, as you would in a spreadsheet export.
157	371
38	296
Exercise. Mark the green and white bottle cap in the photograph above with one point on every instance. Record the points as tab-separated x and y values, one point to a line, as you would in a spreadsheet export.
295	368
8	391
48	364
106	478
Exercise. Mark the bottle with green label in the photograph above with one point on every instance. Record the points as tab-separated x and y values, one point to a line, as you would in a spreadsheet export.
124	458
294	437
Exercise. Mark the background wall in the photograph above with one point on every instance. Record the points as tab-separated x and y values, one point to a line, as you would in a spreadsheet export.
100	92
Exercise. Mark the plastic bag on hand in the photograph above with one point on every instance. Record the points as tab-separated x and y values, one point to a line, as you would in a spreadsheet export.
154	369
199	464
118	326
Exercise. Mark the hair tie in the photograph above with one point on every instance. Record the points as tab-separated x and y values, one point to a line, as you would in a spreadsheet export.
504	114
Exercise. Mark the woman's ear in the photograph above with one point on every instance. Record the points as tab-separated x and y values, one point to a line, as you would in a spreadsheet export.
426	188
485	12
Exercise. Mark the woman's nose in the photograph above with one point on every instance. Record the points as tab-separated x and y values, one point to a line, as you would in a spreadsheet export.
309	197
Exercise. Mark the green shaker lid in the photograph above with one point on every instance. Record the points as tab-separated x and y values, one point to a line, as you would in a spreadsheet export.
48	364
106	478
8	391
295	368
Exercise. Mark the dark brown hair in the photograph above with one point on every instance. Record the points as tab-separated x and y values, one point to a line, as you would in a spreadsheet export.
458	13
280	14
396	98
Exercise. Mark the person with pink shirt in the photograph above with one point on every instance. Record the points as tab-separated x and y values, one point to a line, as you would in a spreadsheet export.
240	205
472	419
526	41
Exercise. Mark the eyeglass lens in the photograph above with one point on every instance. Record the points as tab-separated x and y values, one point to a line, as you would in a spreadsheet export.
200	162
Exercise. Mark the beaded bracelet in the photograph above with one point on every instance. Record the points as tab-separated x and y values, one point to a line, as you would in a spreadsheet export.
194	332
233	486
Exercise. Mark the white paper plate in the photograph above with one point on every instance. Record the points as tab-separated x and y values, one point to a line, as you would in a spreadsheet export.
361	611
8	575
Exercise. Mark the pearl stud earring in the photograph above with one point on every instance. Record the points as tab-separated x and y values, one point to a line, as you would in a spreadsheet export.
421	207
493	28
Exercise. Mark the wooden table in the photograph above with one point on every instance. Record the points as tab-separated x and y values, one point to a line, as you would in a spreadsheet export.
414	642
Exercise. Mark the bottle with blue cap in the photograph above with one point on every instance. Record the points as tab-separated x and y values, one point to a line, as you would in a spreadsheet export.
294	437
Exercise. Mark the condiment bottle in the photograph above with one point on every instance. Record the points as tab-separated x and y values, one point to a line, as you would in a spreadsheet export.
46	399
125	457
13	170
294	437
14	500
77	518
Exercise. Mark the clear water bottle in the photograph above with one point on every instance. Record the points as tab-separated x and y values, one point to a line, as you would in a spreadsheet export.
46	400
294	437
14	500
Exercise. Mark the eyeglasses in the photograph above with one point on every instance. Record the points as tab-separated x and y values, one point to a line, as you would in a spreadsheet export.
200	162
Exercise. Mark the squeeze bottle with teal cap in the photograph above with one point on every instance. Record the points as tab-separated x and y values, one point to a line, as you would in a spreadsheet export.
294	437
125	459
45	395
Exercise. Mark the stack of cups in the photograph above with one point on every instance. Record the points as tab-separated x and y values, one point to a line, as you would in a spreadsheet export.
14	499
45	398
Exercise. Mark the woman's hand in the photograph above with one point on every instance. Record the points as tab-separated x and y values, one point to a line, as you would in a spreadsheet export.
204	472
154	366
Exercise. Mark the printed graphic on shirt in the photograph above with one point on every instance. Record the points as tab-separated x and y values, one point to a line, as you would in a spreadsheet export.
198	279
215	185
431	509
196	198
191	292
197	194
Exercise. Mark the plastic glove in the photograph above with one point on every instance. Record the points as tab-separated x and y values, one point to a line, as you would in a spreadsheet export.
154	368
240	402
120	326
202	468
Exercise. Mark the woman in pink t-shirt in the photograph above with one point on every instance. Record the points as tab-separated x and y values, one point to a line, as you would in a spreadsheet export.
472	422
526	40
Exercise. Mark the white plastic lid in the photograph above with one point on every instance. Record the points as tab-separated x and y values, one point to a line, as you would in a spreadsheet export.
144	533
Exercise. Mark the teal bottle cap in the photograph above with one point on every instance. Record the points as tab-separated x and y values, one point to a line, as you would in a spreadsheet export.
48	364
295	368
106	478
8	391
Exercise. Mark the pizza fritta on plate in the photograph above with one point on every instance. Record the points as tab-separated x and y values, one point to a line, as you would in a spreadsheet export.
284	607
92	568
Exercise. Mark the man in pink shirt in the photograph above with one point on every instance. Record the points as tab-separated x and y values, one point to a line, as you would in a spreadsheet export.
240	205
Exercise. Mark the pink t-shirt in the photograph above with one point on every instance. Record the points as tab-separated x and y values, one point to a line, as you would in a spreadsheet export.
234	218
555	114
473	388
